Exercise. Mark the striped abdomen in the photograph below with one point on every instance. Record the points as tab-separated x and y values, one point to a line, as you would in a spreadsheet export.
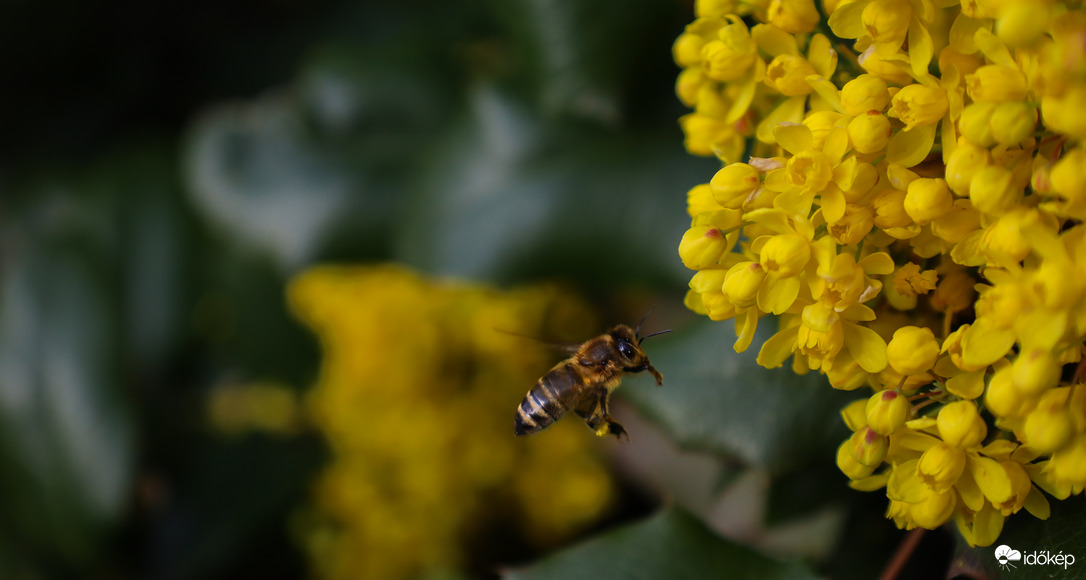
548	401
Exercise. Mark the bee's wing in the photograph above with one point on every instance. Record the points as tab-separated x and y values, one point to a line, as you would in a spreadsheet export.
565	347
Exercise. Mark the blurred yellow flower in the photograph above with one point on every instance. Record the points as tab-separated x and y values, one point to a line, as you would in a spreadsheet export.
416	396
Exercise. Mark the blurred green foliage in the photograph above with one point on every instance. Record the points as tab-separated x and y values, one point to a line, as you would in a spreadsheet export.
165	168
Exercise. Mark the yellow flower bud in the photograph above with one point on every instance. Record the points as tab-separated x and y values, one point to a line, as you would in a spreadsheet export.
689	86
918	105
821	123
785	254
1004	239
742	283
1069	463
956	224
847	376
702	246
890	210
963	164
854	225
887	411
700	200
1002	397
1048	426
954	293
869	132
1012	122
912	350
868	447
788	74
706	135
687	49
1063	113
1035	371
933	511
960	425
731	54
865	93
928	199
849	466
975	124
733	184
1068	176
941	466
794	16
996	83
992	190
1022	23
887	21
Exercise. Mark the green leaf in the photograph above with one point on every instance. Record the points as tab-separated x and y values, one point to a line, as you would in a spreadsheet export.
716	400
581	57
669	545
66	436
253	173
507	197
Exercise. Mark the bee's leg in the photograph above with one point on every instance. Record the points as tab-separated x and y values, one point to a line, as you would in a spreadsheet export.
595	413
612	426
647	367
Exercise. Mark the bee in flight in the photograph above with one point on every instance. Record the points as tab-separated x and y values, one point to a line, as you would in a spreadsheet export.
583	383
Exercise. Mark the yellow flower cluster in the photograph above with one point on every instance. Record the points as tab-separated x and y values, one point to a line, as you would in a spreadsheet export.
913	213
416	397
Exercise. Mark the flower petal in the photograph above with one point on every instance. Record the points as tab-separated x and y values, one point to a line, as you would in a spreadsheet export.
877	264
778	348
822	56
794	138
984	344
1037	504
909	148
745	325
774	41
866	347
921	48
789	111
827	90
846	21
833	204
871	482
748	86
962	32
987	524
969	492
993	48
777	296
967	385
991	478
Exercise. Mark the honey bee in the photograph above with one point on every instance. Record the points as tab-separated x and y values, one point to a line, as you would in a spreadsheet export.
583	383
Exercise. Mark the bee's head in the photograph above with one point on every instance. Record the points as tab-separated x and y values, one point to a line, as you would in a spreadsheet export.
628	345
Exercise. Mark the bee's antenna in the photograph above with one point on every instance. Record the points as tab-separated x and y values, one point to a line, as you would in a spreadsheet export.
637	331
642	339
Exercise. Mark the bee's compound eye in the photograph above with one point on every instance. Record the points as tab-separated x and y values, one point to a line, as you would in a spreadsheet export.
625	348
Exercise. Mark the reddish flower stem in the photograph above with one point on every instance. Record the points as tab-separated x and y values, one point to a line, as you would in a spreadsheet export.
901	556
